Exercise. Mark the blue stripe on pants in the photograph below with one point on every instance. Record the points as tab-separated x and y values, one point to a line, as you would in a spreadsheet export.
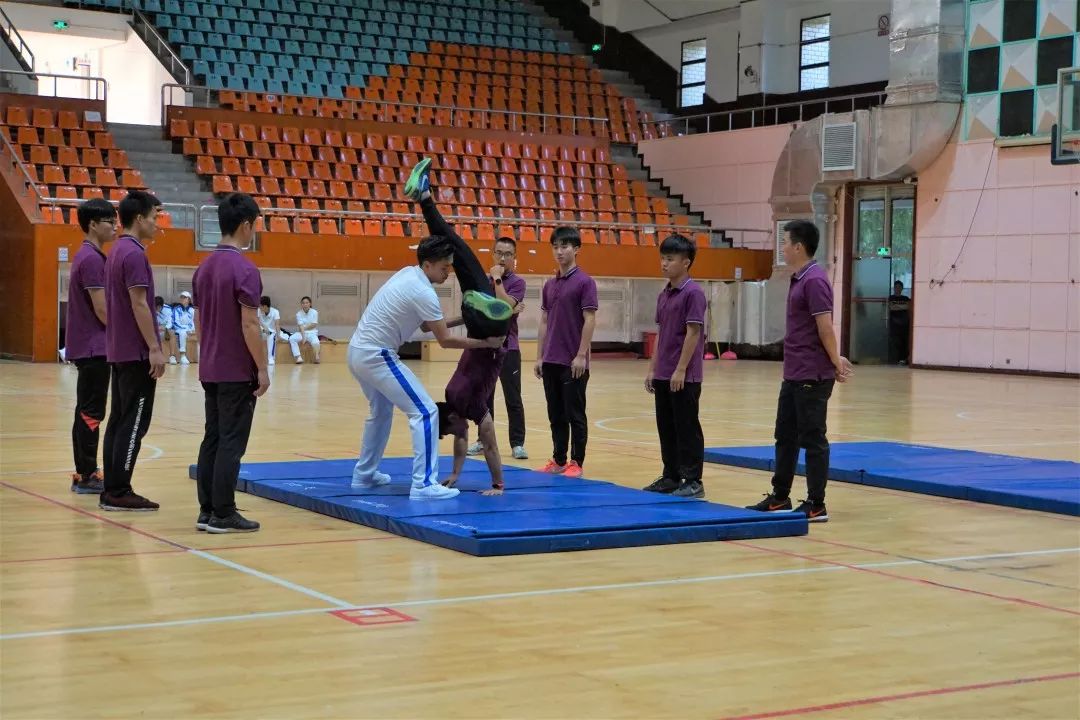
419	406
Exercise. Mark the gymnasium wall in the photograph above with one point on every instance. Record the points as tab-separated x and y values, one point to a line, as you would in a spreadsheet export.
96	44
760	34
725	175
1010	223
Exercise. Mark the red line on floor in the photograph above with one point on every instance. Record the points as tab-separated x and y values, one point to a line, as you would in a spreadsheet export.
842	705
102	518
920	581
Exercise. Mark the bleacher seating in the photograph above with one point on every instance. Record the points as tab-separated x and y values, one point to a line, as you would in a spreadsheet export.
282	55
327	172
68	157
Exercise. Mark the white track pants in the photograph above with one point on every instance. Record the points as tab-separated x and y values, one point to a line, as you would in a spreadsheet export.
312	336
388	383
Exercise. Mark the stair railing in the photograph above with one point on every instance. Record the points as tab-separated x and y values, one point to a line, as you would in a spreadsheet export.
159	45
17	42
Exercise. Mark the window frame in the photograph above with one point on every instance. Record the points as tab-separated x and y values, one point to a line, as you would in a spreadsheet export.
682	70
816	41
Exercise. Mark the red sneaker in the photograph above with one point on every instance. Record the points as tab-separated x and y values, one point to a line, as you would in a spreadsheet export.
572	470
552	468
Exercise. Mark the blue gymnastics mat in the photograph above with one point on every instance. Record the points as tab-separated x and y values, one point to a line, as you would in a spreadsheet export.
539	513
1027	483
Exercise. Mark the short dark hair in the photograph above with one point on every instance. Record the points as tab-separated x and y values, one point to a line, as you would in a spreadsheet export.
159	301
805	233
434	248
676	244
305	298
566	234
505	239
137	203
235	210
94	211
265	300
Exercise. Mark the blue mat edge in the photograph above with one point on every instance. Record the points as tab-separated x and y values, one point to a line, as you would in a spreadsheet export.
787	526
988	496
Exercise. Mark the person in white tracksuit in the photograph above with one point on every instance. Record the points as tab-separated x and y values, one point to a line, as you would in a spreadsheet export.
183	324
406	303
307	320
270	325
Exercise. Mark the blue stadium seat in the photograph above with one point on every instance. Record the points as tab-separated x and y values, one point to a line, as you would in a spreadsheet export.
275	86
256	85
229	13
228	56
188	53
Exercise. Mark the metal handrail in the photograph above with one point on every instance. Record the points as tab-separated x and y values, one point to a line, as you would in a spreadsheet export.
139	20
30	182
99	82
168	89
13	34
774	109
537	223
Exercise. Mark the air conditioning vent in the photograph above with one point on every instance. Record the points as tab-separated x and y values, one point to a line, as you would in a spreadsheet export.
336	290
838	147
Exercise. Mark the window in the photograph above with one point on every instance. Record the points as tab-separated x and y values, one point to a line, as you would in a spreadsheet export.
692	76
814	53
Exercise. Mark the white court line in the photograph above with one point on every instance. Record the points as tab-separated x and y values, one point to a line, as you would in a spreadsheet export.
513	595
341	604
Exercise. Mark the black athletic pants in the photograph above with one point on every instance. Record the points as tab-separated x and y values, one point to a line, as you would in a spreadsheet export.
470	274
682	444
800	423
129	419
230	407
510	378
566	412
91	394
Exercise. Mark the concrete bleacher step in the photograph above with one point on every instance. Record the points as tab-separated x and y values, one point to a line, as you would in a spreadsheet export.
169	175
626	155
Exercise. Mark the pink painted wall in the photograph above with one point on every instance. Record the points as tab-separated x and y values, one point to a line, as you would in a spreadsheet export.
725	175
1013	301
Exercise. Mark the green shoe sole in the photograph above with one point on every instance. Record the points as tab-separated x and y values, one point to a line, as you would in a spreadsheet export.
412	185
490	307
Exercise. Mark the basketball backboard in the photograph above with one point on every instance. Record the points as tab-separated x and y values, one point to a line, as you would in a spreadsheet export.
1065	133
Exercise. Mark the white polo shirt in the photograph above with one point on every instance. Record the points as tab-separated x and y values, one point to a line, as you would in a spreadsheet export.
311	317
267	320
397	310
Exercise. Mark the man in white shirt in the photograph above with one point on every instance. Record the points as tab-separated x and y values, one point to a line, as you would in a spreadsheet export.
307	319
406	303
270	326
183	324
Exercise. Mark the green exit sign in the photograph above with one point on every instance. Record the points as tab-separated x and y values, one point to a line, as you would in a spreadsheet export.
883	252
596	47
60	24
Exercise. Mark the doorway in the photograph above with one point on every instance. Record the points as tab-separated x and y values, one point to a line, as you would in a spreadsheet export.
880	258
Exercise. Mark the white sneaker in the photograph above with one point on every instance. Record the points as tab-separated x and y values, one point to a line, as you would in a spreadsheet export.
299	360
184	360
172	359
477	448
376	480
433	492
270	362
520	454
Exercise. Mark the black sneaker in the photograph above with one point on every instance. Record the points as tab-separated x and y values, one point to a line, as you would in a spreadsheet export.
235	523
813	513
771	503
128	502
663	485
203	521
690	489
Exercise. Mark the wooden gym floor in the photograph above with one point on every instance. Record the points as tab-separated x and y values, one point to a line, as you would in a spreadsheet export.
904	606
